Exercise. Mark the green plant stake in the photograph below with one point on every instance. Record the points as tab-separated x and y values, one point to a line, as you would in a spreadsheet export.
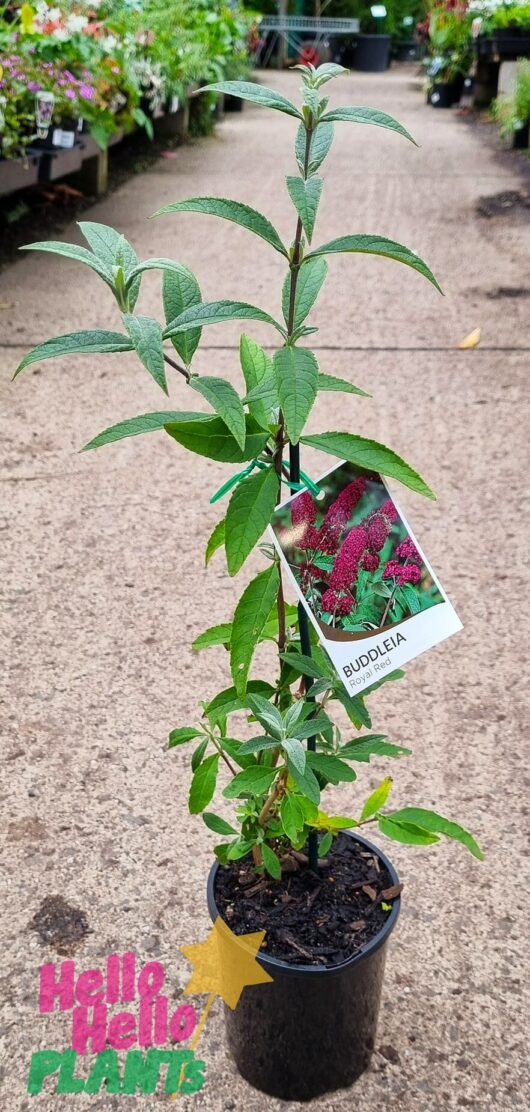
277	776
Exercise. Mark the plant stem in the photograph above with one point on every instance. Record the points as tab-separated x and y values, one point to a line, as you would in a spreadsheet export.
177	367
223	755
294	472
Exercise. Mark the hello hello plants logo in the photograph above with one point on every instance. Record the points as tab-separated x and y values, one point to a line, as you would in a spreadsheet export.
130	1044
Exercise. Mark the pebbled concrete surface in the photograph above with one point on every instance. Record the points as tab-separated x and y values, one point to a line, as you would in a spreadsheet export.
103	590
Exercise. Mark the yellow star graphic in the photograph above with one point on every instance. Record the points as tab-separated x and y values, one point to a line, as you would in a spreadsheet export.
224	963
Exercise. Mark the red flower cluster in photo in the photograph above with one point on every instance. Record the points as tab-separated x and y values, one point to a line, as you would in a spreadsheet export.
360	548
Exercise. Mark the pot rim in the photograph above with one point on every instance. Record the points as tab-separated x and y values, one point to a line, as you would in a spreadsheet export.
370	947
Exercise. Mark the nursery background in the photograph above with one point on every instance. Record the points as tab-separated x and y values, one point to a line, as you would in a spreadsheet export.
103	583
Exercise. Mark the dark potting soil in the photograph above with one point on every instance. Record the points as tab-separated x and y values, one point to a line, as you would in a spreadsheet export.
309	919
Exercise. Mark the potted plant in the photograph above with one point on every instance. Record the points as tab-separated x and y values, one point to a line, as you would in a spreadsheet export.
371	52
451	52
287	864
512	113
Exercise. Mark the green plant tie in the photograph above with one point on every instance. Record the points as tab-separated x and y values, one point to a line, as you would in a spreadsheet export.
305	482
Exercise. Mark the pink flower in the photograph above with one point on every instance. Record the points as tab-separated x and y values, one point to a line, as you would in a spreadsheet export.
403	573
407	551
346	565
303	515
410	574
370	561
333	603
338	516
389	510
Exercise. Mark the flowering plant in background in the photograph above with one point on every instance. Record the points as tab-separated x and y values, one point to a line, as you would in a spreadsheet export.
113	63
250	737
357	569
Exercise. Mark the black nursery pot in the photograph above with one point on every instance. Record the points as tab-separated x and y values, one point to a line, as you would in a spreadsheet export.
520	137
444	94
312	1030
372	53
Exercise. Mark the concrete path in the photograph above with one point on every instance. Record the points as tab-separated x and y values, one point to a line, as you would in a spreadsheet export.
103	590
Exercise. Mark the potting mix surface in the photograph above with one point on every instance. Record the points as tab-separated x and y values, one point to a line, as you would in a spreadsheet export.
310	919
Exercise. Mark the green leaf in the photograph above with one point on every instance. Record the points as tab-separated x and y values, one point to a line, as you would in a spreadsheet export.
203	784
305	665
369	455
405	832
198	754
238	213
296	754
377	799
306	781
410	598
331	767
258	745
95	342
146	335
292	816
258	371
214	635
166	265
228	701
259	94
311	277
180	289
327	71
255	780
305	196
329	382
267	714
226	402
78	254
143	120
183	734
311	727
376	245
325	844
364	115
354	707
209	436
134	426
215	540
271	861
321	141
232	747
296	371
215	312
249	512
436	824
239	849
217	824
112	249
250	617
374	745
397	674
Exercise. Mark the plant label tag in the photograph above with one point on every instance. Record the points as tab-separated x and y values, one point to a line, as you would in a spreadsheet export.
174	103
62	138
360	574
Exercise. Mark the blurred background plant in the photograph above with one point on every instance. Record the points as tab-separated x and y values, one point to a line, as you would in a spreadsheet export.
512	113
111	63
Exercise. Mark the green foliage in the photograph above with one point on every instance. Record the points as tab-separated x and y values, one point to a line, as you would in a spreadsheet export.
114	63
273	777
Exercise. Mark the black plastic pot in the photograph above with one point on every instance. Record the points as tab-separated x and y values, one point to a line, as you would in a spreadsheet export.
233	104
312	1030
444	94
406	51
372	53
520	137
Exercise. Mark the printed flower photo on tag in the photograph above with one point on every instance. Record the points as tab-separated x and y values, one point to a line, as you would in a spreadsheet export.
361	575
